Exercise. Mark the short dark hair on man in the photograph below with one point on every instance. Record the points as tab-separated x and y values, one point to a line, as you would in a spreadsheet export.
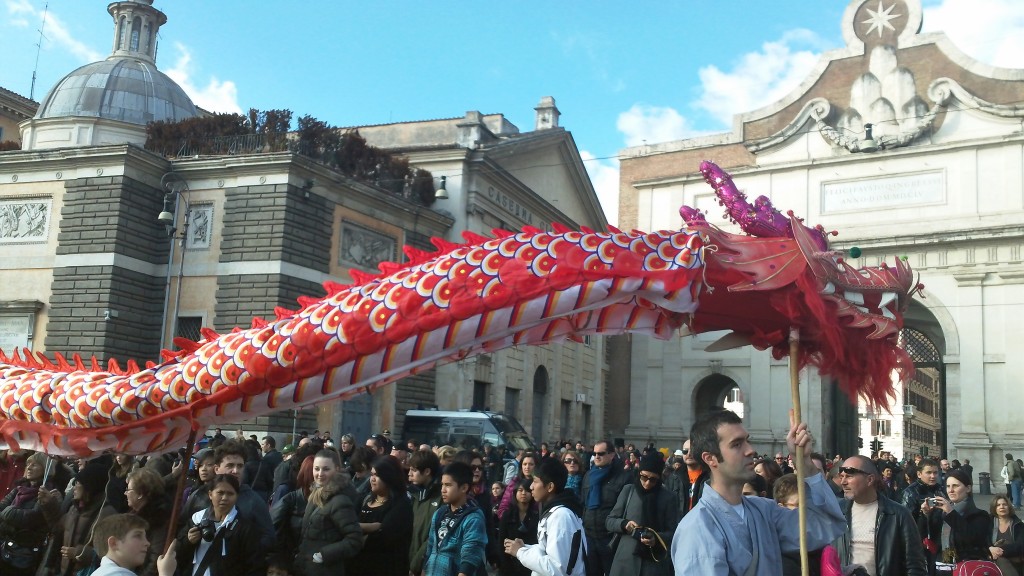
229	448
1009	456
362	457
424	460
704	433
270	441
552	471
928	462
460	473
116	525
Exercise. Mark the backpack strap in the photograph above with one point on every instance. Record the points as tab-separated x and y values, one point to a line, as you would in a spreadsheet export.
577	548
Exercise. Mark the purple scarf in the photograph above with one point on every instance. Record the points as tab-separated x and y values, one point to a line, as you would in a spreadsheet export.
25	493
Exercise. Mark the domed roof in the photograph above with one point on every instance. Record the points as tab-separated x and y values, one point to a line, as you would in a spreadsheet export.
125	89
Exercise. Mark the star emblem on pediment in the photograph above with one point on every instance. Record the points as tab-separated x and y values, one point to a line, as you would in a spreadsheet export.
880	19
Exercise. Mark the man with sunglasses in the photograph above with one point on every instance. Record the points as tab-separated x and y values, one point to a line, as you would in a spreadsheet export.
881	535
601	487
697	474
728	533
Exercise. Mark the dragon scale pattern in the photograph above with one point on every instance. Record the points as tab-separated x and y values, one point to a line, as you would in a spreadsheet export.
531	287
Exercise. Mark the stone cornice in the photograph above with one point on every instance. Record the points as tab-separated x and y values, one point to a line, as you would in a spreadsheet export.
968	279
64	159
327	180
844	160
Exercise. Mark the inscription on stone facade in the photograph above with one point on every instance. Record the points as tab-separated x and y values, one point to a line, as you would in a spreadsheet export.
14	332
365	248
509	204
24	220
881	193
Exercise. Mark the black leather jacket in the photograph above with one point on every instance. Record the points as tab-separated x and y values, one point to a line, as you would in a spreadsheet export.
913	497
898	548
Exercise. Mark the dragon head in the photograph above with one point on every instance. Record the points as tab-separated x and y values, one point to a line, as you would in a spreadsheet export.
849	317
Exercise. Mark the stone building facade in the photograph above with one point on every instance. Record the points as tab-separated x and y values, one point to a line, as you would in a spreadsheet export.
89	269
497	177
910	149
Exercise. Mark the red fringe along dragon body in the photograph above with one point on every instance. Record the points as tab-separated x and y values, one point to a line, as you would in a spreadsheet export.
526	288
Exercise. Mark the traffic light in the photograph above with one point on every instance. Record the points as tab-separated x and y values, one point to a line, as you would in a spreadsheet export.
876	445
860	442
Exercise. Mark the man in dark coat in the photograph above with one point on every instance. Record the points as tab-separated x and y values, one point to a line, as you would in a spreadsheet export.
601	487
696	477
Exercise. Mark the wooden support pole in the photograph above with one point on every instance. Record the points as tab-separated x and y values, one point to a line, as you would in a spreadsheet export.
801	490
172	522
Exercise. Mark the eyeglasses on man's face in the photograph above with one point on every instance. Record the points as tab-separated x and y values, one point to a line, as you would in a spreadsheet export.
850	471
645	478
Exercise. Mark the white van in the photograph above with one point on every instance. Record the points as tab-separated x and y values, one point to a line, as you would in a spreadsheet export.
465	429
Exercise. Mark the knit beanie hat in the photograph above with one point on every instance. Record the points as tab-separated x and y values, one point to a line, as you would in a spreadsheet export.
92	477
652	462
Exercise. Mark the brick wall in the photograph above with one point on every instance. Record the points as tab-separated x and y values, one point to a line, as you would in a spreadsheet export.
112	215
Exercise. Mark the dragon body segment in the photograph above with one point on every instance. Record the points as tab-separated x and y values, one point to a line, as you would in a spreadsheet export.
532	287
526	288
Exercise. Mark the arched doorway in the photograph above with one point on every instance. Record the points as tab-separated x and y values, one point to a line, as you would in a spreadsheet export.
925	427
540	396
715	392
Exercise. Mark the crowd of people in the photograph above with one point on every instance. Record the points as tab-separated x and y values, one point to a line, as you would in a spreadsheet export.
317	508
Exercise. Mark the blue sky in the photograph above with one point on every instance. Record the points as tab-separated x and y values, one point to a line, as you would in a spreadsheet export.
621	73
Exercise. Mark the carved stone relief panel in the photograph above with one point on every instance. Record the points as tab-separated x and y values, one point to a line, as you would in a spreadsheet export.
200	227
365	248
24	220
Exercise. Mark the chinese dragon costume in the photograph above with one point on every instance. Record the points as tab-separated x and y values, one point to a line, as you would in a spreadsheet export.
525	288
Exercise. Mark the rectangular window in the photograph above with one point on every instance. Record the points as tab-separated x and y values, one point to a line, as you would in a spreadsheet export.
881	427
512	402
189	327
566	419
481	400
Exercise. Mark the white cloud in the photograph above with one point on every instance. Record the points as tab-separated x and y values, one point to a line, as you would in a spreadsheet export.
20	7
646	123
604	174
54	30
759	78
217	96
991	31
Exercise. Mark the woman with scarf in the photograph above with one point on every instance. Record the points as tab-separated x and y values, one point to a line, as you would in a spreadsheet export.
966	530
220	540
643	522
23	525
1008	537
574	467
479	492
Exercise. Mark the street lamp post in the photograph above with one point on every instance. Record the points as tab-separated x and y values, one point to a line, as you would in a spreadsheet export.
177	190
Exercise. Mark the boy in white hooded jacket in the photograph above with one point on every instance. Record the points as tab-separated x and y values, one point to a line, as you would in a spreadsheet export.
561	548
